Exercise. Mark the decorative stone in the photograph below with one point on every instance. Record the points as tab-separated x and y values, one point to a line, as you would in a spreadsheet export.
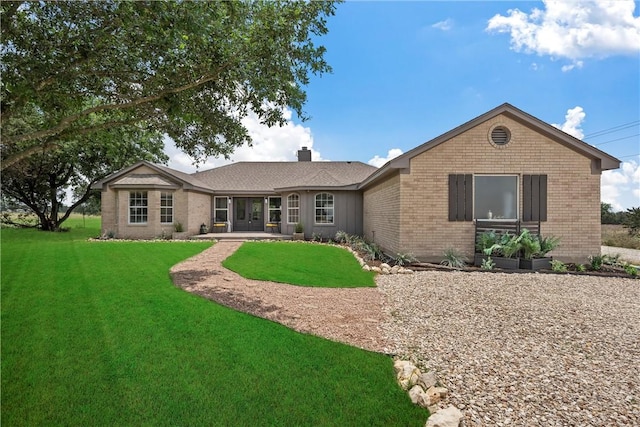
447	417
385	265
366	267
407	374
428	380
395	269
385	271
416	394
376	269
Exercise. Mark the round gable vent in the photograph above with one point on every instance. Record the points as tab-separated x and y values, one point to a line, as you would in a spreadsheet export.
500	135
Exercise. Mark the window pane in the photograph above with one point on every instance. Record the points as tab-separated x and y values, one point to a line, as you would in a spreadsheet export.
496	197
324	208
293	208
221	203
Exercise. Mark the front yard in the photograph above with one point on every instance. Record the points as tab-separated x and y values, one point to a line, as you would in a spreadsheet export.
95	333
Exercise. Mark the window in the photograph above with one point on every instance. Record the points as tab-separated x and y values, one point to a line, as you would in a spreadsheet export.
138	207
166	208
495	197
293	208
221	209
275	209
324	208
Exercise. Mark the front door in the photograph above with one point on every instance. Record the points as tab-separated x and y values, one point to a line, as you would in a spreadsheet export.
248	214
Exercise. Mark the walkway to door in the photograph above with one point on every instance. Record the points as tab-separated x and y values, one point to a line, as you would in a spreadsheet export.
242	236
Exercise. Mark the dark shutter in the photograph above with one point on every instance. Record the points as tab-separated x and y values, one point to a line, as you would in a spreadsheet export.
534	198
460	197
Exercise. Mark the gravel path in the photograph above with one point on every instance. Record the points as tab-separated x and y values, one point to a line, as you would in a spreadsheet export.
523	349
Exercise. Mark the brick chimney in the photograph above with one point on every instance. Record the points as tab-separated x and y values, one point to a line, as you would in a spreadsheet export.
304	155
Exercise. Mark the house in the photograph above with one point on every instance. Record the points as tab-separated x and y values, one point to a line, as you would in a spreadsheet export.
504	165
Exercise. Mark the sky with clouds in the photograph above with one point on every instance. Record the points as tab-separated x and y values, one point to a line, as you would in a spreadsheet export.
406	72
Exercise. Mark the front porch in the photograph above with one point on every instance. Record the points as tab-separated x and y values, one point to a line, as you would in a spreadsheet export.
242	236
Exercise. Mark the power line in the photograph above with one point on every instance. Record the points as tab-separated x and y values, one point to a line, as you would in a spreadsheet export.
612	129
618	139
630	155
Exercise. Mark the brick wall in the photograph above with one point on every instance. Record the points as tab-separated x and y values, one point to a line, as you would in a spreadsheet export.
573	193
381	204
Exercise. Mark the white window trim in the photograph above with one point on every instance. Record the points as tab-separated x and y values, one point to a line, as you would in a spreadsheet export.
146	193
315	209
166	207
296	208
517	176
269	209
216	208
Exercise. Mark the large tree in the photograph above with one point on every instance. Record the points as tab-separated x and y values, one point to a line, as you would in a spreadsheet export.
191	70
45	180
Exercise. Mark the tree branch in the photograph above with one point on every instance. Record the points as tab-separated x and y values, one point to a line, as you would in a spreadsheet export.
68	121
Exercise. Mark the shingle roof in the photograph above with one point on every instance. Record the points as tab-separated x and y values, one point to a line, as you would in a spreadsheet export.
261	177
143	179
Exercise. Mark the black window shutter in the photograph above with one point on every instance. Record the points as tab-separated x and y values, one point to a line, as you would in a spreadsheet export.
460	197
534	198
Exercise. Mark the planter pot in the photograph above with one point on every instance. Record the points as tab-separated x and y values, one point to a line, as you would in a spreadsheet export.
500	262
536	264
179	235
298	236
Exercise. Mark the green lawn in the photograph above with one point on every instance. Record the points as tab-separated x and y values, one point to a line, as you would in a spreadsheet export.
299	264
95	333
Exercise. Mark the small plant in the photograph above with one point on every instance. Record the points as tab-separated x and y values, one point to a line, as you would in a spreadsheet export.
316	237
488	264
596	262
342	236
631	270
299	228
581	268
547	244
558	266
177	227
508	246
486	240
611	259
453	258
403	259
371	251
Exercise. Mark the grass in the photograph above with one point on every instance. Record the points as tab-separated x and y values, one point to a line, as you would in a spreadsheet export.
95	333
299	264
618	236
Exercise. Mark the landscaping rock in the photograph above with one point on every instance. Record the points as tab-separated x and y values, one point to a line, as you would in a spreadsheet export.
385	265
447	417
428	380
407	373
366	267
416	393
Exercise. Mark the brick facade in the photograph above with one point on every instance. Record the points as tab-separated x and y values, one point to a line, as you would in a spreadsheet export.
418	201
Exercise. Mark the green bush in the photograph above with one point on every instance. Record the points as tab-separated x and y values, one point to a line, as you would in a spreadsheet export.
632	221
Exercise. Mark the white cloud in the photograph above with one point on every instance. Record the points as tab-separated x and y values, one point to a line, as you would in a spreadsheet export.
573	122
269	144
573	30
621	187
378	161
445	25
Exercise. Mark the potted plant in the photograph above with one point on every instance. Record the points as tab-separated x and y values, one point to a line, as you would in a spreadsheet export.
505	253
485	241
534	249
298	233
178	232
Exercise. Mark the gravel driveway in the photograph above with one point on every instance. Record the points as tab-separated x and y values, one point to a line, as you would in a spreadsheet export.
523	349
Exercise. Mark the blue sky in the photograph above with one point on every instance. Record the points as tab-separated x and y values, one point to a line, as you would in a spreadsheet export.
406	72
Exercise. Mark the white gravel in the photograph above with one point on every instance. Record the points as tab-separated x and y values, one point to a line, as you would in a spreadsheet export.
523	349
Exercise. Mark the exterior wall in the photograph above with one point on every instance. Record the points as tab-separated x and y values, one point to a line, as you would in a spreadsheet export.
382	214
347	215
199	211
572	204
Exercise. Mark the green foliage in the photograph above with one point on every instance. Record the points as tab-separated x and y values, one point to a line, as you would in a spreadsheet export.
508	246
453	258
191	70
95	333
581	268
341	237
558	266
299	228
488	264
486	240
316	237
596	262
632	222
631	270
403	259
530	244
178	227
607	216
299	264
618	236
547	244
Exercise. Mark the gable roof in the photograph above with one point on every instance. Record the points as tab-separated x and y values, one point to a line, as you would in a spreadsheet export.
267	177
603	160
188	181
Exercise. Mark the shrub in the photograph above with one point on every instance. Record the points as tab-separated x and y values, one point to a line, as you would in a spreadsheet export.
299	228
596	262
487	264
316	237
631	270
178	227
453	258
558	266
632	221
342	236
403	259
